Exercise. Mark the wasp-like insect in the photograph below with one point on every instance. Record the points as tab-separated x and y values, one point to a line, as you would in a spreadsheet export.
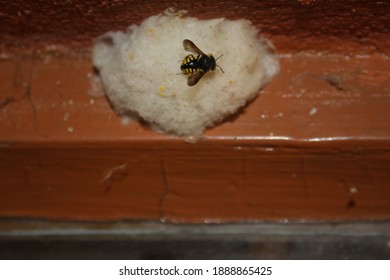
196	67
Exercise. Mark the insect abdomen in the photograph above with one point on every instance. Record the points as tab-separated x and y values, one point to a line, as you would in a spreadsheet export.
189	65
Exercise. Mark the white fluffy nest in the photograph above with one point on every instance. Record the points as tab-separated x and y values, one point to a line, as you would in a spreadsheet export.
140	71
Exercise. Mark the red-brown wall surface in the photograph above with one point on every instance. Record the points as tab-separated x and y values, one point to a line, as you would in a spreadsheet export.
314	146
344	26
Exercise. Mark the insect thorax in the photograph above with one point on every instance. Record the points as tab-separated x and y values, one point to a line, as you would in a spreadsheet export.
206	63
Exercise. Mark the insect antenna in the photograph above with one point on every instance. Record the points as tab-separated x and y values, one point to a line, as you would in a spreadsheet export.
218	65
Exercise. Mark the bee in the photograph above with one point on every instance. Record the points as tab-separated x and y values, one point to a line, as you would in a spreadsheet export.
196	67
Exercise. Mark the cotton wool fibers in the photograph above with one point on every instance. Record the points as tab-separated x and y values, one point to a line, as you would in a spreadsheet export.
140	71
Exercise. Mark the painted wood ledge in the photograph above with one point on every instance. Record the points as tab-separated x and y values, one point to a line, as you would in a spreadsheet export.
314	146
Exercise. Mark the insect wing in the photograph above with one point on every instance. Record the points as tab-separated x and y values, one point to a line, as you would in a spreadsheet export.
191	47
192	80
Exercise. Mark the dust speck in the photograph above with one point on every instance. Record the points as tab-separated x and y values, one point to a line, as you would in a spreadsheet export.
353	190
66	117
313	111
125	120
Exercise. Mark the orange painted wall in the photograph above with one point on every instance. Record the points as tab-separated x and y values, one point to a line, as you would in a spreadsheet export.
315	145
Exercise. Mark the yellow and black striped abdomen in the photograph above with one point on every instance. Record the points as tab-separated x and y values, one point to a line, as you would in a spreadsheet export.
189	66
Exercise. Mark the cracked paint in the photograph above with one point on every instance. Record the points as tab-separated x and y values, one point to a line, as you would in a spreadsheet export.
114	174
